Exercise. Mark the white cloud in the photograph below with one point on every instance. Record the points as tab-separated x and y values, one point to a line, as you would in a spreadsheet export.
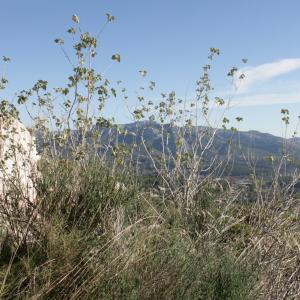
265	99
265	72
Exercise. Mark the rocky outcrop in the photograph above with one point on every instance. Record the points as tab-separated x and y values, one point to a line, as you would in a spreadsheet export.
18	160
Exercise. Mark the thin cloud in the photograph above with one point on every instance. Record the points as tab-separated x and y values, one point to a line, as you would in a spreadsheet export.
266	99
265	72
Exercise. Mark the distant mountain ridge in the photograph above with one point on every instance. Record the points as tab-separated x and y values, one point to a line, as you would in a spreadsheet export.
241	144
250	145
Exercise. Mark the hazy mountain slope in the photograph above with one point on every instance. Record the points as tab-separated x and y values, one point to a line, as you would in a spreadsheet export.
241	147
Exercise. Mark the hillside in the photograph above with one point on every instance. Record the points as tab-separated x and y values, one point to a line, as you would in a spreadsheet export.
242	148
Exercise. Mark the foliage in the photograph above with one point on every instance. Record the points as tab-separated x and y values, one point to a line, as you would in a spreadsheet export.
101	228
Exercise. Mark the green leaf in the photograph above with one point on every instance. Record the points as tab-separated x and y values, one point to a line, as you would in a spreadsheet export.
71	30
271	158
59	41
232	71
219	101
143	73
6	59
215	51
114	93
116	57
75	19
110	17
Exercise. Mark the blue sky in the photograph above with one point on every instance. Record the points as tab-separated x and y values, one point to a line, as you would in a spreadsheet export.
170	39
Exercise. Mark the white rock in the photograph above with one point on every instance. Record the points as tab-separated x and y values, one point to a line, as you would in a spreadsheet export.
18	159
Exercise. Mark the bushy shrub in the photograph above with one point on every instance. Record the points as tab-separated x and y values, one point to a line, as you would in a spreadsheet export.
101	228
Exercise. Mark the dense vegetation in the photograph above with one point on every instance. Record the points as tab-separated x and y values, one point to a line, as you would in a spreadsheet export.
101	228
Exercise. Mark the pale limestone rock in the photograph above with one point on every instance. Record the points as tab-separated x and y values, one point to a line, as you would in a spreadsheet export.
18	159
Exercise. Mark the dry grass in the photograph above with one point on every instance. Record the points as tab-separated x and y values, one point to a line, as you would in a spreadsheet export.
85	239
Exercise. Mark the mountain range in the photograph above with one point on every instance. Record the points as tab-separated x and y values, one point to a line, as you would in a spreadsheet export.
244	150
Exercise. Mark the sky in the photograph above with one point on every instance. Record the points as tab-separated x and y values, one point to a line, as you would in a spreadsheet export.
170	39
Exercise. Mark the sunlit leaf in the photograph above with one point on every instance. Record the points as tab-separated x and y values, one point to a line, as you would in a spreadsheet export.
114	93
75	19
143	73
6	59
71	30
59	41
116	57
110	17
